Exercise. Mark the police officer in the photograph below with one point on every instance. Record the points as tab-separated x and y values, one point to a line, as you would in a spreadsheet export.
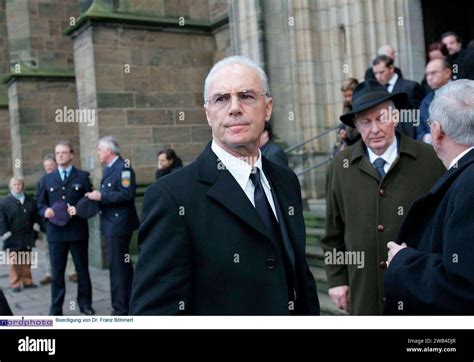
118	220
67	184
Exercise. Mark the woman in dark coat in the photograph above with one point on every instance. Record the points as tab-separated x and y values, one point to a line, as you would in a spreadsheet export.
168	162
18	230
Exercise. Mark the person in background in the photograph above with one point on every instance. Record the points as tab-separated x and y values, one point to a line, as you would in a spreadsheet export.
19	229
436	50
270	149
49	165
388	51
118	219
461	60
350	135
438	74
67	185
385	74
167	162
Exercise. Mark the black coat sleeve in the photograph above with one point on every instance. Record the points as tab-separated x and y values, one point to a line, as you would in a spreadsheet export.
438	283
123	194
162	280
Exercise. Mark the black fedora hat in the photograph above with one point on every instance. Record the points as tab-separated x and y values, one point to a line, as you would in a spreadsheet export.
367	95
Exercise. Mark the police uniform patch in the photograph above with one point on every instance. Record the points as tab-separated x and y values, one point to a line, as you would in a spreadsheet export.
126	175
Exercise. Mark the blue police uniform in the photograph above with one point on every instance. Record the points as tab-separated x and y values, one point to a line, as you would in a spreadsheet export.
73	236
118	221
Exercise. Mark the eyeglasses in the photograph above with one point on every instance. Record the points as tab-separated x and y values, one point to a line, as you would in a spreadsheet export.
221	100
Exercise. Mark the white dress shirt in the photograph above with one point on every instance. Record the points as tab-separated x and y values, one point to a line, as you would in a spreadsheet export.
390	155
461	155
391	82
240	171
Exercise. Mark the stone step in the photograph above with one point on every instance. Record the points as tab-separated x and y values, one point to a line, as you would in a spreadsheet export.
317	207
314	235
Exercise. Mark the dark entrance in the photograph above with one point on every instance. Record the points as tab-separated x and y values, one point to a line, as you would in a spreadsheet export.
440	16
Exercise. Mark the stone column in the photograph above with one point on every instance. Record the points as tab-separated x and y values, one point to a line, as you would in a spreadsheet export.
89	133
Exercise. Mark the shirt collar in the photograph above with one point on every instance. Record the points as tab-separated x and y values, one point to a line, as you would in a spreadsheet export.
20	197
393	80
458	157
68	169
238	168
390	154
111	163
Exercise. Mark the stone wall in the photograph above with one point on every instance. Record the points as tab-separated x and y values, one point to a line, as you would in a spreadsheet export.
33	106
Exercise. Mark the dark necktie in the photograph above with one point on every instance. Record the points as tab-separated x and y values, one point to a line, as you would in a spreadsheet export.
379	163
64	175
262	205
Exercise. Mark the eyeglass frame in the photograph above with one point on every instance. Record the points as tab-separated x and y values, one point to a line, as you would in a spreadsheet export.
257	98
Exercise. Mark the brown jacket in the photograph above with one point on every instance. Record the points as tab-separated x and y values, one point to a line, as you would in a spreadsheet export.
364	213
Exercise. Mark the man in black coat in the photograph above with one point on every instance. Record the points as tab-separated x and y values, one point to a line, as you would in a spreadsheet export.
118	220
385	73
431	265
226	235
67	184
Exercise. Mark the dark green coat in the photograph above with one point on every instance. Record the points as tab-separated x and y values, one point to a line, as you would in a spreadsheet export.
364	213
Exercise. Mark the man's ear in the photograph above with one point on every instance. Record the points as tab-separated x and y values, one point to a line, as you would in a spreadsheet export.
437	133
207	115
268	109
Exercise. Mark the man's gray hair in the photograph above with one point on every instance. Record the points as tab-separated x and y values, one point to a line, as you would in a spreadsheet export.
453	108
385	50
235	60
110	143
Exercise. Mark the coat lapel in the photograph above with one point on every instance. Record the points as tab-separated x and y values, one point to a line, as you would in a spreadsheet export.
282	201
226	191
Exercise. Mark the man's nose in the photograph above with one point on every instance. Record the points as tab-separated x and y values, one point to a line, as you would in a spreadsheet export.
235	105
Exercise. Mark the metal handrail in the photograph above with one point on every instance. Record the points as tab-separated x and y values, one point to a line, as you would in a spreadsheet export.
313	167
290	149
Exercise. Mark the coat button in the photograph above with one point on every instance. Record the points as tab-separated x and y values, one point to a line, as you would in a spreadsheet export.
270	263
383	265
63	197
109	184
51	189
380	227
116	214
63	188
382	192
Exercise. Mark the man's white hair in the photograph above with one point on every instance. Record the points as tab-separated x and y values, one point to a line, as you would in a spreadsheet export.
386	50
110	143
453	108
235	60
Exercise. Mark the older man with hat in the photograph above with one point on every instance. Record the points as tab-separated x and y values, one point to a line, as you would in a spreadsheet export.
370	187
